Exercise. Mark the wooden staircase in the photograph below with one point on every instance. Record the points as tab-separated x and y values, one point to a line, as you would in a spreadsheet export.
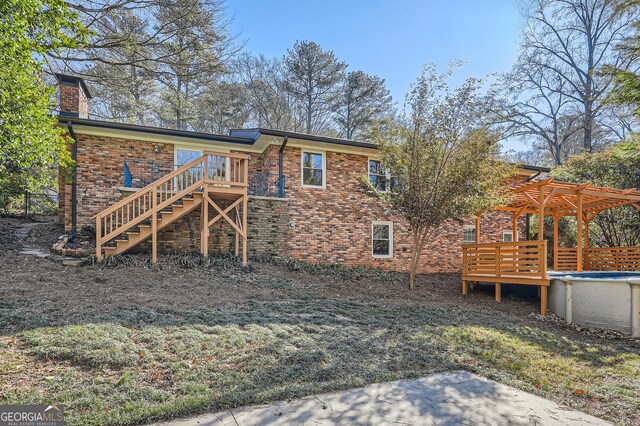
201	183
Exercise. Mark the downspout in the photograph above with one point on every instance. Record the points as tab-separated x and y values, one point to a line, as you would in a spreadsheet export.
281	166
74	183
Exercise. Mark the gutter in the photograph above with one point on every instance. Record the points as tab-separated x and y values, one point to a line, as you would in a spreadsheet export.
74	183
281	156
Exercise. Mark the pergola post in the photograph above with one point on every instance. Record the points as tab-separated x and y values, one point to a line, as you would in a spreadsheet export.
541	214
478	227
555	241
586	243
579	218
515	226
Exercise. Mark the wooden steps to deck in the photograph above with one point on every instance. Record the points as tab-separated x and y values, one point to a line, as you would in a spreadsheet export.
203	182
132	238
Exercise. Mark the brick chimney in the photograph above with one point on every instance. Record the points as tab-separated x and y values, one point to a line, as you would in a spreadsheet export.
74	96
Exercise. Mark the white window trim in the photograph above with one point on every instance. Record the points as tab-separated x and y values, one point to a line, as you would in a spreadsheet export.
386	172
390	224
324	168
464	228
504	233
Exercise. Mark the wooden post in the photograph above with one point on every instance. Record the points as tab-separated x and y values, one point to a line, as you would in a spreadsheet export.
245	207
543	299
541	214
154	227
579	218
515	227
99	238
205	224
205	209
237	234
478	228
585	255
555	242
465	288
498	292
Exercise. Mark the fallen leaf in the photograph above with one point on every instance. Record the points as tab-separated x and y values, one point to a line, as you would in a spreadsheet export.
579	392
537	385
471	362
141	355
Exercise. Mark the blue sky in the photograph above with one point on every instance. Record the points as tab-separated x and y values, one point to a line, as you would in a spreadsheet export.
391	39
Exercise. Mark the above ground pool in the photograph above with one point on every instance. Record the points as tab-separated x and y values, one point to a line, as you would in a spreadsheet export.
609	300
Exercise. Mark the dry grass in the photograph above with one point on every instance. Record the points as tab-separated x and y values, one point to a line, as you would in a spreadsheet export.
132	344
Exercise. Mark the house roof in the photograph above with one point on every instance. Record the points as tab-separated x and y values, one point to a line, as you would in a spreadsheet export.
256	132
156	130
247	138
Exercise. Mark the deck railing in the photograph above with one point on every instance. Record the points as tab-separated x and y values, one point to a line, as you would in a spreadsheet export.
566	259
599	259
524	260
612	259
138	174
223	171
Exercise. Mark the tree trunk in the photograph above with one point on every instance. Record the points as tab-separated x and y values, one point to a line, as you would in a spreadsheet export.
588	120
415	256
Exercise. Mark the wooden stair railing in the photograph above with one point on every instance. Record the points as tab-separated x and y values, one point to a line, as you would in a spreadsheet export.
169	198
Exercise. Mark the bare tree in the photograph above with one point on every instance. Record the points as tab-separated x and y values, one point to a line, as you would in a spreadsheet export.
124	92
223	106
194	55
362	100
182	45
313	78
560	92
270	102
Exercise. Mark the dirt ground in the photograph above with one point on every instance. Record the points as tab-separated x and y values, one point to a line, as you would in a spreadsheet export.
366	324
182	281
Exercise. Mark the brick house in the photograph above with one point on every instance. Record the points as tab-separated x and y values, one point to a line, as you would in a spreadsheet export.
305	196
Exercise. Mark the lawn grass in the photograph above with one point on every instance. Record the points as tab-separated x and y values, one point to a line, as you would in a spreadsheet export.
136	363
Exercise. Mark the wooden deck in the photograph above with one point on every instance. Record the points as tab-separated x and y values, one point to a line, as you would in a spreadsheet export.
520	262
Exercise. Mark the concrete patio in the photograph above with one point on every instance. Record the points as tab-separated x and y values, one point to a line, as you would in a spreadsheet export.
453	398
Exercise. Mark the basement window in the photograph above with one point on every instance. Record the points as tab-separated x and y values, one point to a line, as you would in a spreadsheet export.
313	169
382	239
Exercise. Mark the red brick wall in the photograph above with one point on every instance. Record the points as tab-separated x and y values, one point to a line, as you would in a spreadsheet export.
73	99
100	173
333	225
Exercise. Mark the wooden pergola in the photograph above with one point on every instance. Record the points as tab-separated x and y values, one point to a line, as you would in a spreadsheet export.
560	199
525	262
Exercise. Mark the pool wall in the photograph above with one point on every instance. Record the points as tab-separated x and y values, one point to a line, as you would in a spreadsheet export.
601	301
